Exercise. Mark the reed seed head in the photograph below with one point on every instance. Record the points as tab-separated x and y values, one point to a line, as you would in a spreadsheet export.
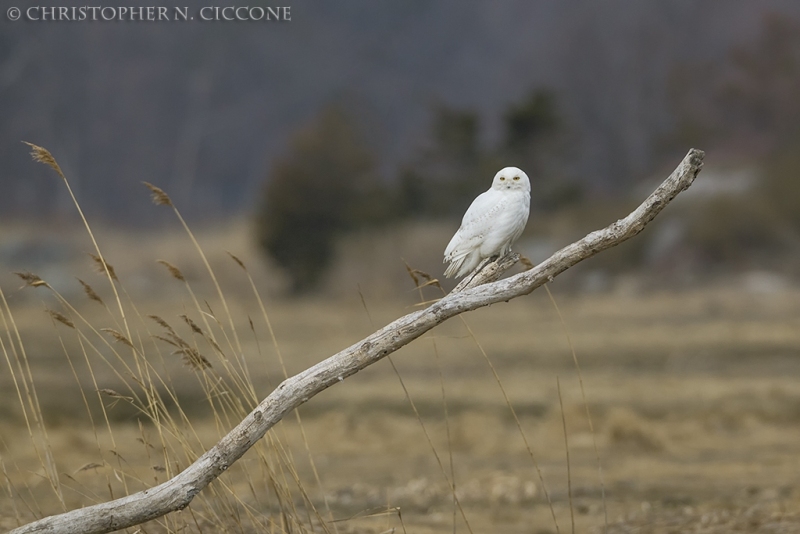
93	465
193	359
113	394
160	198
42	155
118	336
418	276
196	329
101	265
237	260
174	271
528	264
90	292
162	323
30	279
60	317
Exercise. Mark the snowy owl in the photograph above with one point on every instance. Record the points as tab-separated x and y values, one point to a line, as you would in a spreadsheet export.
494	220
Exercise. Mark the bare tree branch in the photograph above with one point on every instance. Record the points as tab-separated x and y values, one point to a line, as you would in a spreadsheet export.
177	493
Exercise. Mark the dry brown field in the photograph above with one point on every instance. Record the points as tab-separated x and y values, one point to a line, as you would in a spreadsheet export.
693	395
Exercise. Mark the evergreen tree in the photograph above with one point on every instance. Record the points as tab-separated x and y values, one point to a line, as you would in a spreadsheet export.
325	185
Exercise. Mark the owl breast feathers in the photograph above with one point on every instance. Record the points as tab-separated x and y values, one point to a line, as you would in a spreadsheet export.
492	223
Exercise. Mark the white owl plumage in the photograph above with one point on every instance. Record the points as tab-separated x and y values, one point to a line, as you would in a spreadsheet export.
492	223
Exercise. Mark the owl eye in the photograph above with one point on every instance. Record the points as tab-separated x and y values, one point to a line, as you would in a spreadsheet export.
502	178
516	178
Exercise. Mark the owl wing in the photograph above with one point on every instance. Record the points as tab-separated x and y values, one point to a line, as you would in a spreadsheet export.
475	225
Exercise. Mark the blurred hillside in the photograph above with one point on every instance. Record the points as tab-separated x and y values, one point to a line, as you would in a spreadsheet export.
595	102
203	109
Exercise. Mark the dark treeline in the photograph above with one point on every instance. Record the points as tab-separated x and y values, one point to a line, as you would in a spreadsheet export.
328	182
744	110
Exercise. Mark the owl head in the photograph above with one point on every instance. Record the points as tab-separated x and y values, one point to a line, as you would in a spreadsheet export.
511	178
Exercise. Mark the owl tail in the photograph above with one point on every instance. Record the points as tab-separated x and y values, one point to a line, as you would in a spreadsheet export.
454	266
462	265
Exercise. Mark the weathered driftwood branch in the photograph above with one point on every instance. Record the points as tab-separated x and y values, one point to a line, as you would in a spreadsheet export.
487	271
177	493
